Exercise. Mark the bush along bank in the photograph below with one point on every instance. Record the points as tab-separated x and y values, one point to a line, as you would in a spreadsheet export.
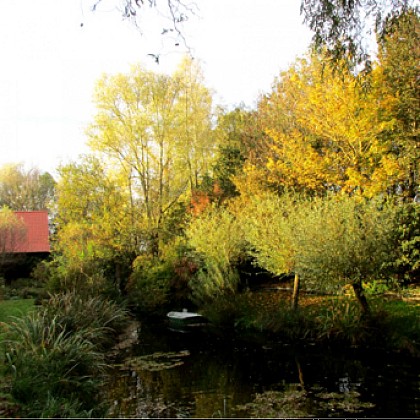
55	357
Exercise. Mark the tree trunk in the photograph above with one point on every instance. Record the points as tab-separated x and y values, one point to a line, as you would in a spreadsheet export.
295	296
361	298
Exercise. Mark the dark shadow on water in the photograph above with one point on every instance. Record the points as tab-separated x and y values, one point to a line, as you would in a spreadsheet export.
206	374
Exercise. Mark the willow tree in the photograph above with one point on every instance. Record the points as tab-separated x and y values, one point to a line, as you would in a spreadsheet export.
272	227
155	129
217	238
344	28
345	240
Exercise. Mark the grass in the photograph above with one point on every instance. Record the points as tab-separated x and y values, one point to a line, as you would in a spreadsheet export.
18	307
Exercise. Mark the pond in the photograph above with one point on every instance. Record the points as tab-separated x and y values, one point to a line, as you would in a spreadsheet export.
209	374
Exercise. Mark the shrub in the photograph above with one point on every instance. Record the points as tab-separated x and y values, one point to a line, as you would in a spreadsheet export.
89	279
46	360
149	284
218	242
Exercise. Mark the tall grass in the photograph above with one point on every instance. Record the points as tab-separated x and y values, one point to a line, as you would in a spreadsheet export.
96	318
44	359
55	356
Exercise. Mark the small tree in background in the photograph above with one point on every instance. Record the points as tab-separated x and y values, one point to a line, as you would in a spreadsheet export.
12	234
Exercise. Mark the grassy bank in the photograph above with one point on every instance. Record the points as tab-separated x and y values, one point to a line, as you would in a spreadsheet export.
393	323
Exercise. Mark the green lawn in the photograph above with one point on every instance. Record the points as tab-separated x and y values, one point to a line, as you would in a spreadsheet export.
16	307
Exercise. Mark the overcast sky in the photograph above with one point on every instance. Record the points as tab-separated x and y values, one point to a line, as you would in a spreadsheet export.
50	62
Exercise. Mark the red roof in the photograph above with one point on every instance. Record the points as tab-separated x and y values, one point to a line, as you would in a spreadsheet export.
37	231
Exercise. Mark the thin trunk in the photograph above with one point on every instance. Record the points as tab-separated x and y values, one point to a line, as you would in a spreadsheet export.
295	296
361	298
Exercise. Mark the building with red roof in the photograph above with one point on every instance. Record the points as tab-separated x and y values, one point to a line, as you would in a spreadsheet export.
37	232
27	252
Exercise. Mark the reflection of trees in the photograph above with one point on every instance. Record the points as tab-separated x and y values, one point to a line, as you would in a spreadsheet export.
219	379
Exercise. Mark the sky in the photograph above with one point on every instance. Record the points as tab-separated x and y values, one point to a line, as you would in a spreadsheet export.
53	52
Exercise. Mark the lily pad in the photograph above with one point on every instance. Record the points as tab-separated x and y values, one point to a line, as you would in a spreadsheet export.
157	361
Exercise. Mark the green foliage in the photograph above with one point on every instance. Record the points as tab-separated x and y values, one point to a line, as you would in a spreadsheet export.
341	321
284	321
45	359
271	225
23	288
378	287
149	284
344	240
230	311
406	240
345	27
218	242
60	407
90	278
212	282
399	322
25	190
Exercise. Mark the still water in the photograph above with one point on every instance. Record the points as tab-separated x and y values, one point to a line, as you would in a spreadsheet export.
209	374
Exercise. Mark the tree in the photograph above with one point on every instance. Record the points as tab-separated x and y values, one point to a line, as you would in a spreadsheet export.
272	226
345	240
175	12
399	81
326	132
96	222
240	139
155	131
25	190
12	234
344	28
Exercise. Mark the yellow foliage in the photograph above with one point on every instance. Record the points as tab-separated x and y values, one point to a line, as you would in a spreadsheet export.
326	132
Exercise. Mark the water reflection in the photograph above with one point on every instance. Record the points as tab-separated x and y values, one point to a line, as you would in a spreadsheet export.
211	375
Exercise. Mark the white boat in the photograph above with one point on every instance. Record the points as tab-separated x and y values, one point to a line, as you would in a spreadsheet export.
185	318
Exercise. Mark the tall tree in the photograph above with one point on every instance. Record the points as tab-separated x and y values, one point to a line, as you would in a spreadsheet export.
22	189
156	129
